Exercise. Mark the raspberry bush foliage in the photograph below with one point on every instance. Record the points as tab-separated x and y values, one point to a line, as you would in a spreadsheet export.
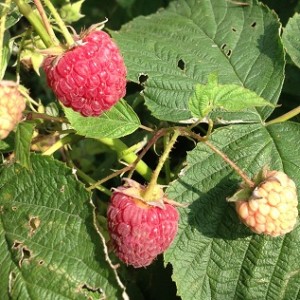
147	191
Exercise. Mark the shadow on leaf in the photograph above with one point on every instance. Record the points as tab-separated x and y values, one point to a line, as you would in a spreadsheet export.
212	215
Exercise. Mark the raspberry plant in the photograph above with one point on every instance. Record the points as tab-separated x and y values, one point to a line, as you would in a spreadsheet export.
211	101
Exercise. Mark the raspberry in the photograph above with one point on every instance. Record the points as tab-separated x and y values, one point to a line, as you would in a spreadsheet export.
90	77
272	206
12	104
139	231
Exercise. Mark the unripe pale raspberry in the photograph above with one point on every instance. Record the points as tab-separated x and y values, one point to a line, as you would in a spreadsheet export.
12	104
90	77
139	231
272	206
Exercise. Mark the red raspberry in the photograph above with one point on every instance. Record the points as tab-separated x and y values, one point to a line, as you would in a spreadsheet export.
90	77
139	231
12	104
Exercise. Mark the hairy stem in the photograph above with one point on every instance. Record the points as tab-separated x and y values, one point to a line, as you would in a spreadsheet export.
46	22
153	182
233	165
61	24
35	20
86	177
240	172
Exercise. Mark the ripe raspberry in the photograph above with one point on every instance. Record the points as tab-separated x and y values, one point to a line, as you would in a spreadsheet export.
139	231
12	104
272	206
91	77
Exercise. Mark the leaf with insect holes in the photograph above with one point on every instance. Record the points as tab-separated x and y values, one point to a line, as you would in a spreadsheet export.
229	97
50	248
184	43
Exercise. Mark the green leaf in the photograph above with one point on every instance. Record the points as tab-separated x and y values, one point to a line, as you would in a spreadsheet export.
6	53
71	12
49	246
230	97
214	256
171	51
13	14
125	3
7	144
291	38
119	121
23	139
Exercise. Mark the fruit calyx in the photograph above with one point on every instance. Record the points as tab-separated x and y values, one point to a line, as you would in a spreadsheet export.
137	191
245	191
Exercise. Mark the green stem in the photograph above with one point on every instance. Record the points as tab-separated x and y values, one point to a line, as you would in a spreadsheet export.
117	145
153	182
46	22
35	20
34	115
61	24
110	176
292	113
167	169
5	10
62	142
89	179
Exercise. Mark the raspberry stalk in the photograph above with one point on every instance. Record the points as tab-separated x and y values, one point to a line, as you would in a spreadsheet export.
35	20
150	190
45	20
64	30
233	165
